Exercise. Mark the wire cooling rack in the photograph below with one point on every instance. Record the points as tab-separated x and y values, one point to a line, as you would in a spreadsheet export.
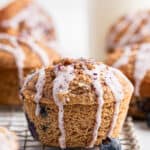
14	120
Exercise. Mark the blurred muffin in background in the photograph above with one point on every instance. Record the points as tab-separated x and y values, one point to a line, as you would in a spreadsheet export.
26	18
134	62
129	29
8	140
18	57
76	103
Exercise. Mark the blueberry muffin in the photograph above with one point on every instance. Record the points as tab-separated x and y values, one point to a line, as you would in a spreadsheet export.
134	62
8	140
129	29
76	103
26	18
18	57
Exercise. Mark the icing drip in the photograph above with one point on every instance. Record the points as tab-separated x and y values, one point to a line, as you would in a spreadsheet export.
95	76
116	88
64	75
34	47
142	65
27	80
124	58
16	51
39	90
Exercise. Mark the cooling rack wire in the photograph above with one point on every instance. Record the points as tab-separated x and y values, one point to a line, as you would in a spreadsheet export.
14	120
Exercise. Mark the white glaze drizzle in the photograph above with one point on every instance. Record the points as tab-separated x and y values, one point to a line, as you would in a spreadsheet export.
117	90
134	20
39	90
38	50
95	76
142	65
64	75
17	52
27	80
124	58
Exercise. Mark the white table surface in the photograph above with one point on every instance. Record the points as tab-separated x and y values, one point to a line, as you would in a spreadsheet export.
71	20
143	135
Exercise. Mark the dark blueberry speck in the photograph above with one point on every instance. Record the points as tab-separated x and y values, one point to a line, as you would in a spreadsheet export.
43	111
32	128
110	144
95	74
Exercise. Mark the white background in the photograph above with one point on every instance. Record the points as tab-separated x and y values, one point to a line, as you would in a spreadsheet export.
71	20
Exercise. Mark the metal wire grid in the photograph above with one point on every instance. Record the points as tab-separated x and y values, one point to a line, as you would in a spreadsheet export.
15	121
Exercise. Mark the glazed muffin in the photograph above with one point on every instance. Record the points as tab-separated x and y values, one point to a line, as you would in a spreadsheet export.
76	103
134	62
129	29
18	57
26	18
8	140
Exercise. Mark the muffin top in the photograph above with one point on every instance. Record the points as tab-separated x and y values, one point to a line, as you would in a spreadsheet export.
26	18
129	29
77	81
72	78
8	140
134	62
24	53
